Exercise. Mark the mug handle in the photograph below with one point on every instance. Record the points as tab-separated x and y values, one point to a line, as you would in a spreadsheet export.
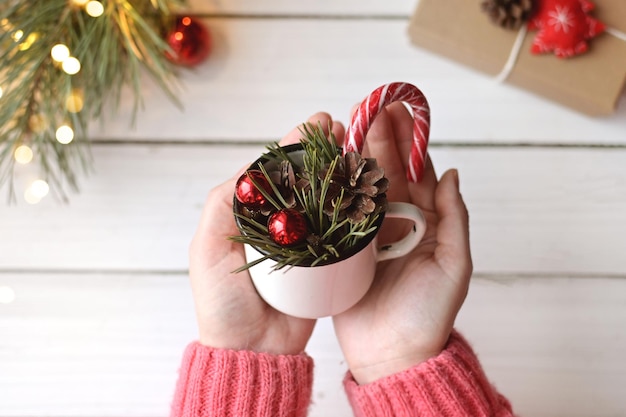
397	210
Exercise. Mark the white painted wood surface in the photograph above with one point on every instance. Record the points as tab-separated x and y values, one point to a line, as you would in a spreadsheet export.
109	344
277	70
534	210
103	310
305	8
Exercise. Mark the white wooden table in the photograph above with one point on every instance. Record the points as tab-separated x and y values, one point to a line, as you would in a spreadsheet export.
103	309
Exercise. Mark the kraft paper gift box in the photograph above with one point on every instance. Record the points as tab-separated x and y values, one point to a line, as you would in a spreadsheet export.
590	83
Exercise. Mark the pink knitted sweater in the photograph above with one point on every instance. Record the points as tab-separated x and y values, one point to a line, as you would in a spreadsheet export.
226	383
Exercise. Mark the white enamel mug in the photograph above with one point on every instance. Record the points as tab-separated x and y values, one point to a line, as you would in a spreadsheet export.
326	290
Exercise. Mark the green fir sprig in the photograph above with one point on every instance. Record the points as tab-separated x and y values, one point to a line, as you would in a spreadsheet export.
114	51
330	236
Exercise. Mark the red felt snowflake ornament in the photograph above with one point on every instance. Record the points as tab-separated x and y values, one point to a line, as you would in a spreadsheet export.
564	27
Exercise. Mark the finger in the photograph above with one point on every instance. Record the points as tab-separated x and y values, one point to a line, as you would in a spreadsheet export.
380	144
402	122
296	134
453	246
423	192
354	108
339	131
216	221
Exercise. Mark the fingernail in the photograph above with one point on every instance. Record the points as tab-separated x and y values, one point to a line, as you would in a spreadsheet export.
455	173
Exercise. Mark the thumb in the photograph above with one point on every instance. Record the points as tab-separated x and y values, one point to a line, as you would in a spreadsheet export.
453	248
216	223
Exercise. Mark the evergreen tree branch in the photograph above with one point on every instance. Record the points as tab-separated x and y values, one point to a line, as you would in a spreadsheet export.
114	51
332	235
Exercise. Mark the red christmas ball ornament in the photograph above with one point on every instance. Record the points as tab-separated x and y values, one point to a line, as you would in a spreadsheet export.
190	42
247	192
287	227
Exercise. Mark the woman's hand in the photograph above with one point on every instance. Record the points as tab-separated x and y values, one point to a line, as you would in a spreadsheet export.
229	311
408	313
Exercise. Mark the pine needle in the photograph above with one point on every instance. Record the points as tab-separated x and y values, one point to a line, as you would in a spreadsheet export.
336	235
114	50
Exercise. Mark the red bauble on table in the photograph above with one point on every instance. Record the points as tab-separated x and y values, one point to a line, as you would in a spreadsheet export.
287	227
190	42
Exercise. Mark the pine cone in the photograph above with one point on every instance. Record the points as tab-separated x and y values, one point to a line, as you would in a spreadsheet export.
284	178
509	14
363	184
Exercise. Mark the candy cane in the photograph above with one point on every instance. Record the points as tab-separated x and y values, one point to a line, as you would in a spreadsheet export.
371	107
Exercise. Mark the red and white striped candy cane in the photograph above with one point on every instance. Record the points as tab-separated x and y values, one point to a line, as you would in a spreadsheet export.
371	107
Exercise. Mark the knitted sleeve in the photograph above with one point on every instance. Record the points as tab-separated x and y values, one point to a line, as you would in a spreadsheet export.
451	384
228	383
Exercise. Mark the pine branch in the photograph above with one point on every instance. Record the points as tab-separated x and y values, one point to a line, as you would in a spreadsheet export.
114	50
331	235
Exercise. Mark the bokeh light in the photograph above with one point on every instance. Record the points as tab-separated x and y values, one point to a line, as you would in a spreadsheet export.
71	65
94	8
23	154
65	134
60	52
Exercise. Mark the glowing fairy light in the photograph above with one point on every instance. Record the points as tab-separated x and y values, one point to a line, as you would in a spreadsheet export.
30	198
28	42
1	92
18	35
94	8
65	134
79	3
23	154
71	65
37	190
60	52
74	102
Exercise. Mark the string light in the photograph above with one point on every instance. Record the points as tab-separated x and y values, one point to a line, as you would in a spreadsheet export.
1	92
60	52
37	190
74	102
79	3
40	188
94	8
71	65
23	154
30	198
7	295
28	42
18	35
65	134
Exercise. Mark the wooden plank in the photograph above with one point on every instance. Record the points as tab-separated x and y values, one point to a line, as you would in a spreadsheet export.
304	7
94	345
266	74
546	210
553	346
